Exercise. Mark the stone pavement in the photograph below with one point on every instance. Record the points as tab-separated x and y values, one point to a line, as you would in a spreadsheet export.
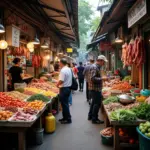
80	135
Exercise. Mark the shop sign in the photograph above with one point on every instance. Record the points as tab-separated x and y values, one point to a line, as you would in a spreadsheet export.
13	36
69	50
105	46
138	11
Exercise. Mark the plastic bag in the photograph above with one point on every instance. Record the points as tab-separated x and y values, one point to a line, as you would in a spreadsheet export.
20	85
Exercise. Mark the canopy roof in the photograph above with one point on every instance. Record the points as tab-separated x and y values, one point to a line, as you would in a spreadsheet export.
59	18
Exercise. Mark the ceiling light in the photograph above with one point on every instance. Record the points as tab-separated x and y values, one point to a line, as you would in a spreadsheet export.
2	28
118	40
35	41
3	44
31	50
45	45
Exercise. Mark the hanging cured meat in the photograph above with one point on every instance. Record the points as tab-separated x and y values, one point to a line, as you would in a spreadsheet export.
129	52
36	61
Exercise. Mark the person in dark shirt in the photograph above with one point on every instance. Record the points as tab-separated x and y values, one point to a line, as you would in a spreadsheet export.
81	76
15	73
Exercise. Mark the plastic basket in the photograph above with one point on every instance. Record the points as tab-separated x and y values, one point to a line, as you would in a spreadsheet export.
107	140
144	141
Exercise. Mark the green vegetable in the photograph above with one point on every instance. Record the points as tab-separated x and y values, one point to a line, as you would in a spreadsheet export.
111	99
127	78
142	111
38	97
123	115
145	128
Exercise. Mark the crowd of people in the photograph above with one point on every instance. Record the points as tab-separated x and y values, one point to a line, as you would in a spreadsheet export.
92	74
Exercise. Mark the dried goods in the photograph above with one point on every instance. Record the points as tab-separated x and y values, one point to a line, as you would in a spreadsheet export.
113	106
30	111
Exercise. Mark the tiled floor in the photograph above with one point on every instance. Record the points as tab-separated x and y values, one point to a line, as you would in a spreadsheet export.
80	135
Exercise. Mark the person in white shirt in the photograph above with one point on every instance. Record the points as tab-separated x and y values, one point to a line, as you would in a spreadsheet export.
64	83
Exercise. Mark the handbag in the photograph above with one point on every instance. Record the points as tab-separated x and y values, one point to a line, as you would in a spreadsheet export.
74	85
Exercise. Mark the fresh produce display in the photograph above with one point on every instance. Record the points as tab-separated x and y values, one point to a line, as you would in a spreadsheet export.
16	94
21	116
113	106
111	99
36	105
145	128
5	115
141	98
12	109
142	111
127	78
107	131
39	97
112	82
7	101
123	115
37	91
124	86
30	111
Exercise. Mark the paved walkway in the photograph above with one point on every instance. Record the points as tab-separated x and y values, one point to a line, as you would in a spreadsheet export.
80	135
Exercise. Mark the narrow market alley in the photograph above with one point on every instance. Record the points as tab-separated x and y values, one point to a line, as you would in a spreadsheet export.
80	135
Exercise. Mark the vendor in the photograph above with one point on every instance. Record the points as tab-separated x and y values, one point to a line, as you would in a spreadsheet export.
15	73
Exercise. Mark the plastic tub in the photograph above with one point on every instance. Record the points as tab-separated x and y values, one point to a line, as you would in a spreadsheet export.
38	134
144	141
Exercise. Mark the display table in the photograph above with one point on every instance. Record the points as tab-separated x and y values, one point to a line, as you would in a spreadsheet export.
116	125
21	127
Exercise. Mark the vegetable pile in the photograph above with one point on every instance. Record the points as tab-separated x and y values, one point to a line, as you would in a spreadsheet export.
5	115
36	105
142	111
123	115
7	101
38	97
127	78
145	128
111	99
124	86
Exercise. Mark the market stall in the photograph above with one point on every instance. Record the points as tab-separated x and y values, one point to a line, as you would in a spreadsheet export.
125	108
21	109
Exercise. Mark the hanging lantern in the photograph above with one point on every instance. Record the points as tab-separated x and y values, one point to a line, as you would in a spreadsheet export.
30	45
3	44
31	50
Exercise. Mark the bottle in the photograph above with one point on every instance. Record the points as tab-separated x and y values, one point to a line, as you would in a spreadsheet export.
50	123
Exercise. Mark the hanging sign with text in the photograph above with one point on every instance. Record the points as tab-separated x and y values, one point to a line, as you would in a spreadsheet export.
138	11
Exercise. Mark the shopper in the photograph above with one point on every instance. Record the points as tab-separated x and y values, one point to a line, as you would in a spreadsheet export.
95	86
51	67
75	70
70	96
80	76
86	76
64	83
15	73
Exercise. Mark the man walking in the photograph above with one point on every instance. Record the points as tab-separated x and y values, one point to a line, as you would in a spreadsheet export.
64	83
81	76
95	86
86	75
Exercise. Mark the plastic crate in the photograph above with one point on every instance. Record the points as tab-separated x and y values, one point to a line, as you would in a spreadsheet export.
144	141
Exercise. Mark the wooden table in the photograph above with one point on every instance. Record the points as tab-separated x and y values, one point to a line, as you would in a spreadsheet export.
21	127
116	125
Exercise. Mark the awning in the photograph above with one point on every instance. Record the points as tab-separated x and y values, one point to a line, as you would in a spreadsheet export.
94	43
114	16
